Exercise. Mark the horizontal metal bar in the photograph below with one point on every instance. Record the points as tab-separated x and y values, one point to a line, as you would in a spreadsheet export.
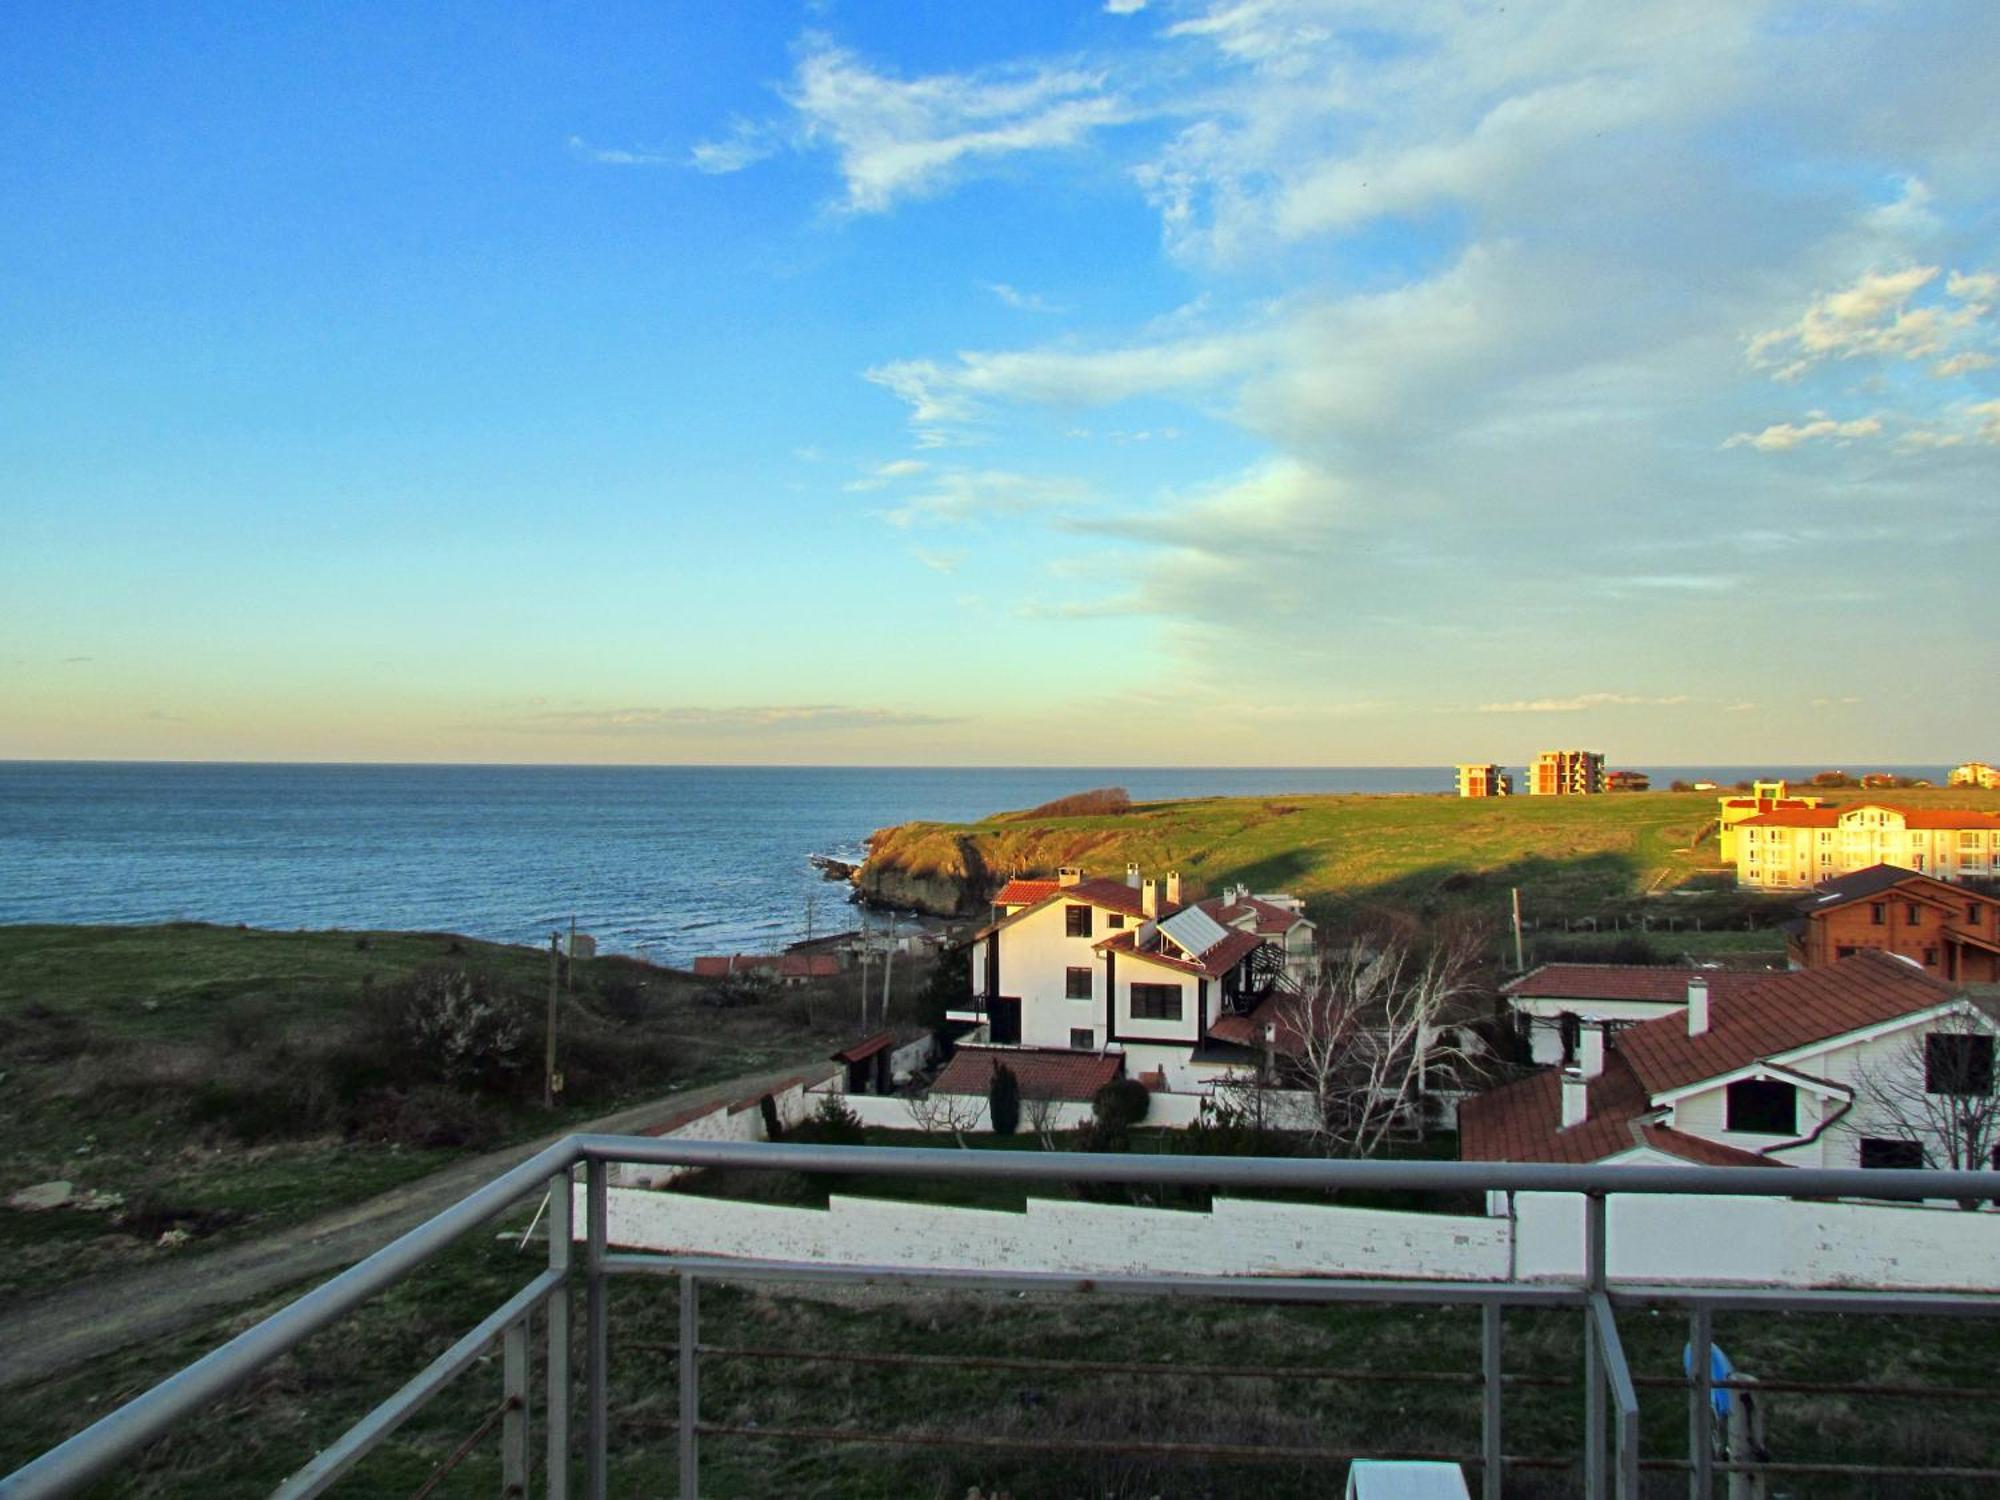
1220	1288
1093	1366
1293	1172
1807	1299
353	1445
1826	1388
105	1444
1860	1471
1237	1452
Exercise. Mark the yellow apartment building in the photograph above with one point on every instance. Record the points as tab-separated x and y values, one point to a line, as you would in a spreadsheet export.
1566	773
1484	781
1793	849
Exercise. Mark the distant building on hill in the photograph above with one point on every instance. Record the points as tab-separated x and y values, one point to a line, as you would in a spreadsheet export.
1795	849
1765	796
1975	773
1484	781
1566	773
1628	781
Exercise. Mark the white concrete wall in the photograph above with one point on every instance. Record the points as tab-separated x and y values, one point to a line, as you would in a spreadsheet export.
741	1121
1170	1111
1703	1241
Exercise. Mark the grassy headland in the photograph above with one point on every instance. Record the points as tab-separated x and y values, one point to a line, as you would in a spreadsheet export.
1572	857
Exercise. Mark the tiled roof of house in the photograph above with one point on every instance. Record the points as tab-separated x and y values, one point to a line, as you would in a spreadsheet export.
784	965
1777	1015
1112	895
1931	818
1523	1122
1270	920
1660	982
1872	881
1025	892
1043	1073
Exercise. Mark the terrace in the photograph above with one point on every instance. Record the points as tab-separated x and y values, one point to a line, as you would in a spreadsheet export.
583	1451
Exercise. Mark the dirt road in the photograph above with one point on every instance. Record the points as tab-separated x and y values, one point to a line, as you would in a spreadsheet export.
106	1313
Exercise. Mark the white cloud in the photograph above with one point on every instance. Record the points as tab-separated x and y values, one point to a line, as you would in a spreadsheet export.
966	495
611	156
760	719
940	561
898	138
1019	300
1580	702
887	473
1873	317
1783	436
1124	7
1973	286
1961	364
746	144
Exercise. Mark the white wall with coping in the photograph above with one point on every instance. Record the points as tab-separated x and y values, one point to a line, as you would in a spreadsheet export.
741	1121
1170	1111
1684	1240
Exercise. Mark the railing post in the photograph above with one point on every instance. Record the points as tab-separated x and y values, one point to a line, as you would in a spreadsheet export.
561	1187
1701	1405
597	1343
690	1384
514	1424
1593	1361
1489	1427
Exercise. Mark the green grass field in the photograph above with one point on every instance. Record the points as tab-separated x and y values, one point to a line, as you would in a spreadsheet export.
1570	856
193	1070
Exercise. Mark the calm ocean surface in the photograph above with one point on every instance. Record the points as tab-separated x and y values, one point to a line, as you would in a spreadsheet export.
670	861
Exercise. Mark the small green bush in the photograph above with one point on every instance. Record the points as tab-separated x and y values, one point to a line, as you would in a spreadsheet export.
831	1124
1122	1102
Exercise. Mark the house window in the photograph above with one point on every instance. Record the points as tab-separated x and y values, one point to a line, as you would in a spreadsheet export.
1076	984
1930	958
1156	1002
1913	914
1082	1039
1845	950
1972	913
1877	912
1076	921
1892	1155
1762	1106
1955	1063
1114	920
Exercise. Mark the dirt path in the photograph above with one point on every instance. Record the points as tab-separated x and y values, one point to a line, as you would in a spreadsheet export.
106	1313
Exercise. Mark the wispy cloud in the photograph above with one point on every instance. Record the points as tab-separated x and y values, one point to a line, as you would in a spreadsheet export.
1580	702
887	473
1875	317
617	156
1019	300
746	144
754	720
963	495
945	560
1782	437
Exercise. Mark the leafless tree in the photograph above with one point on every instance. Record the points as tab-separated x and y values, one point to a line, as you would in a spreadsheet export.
1361	1045
1936	1091
945	1114
1042	1113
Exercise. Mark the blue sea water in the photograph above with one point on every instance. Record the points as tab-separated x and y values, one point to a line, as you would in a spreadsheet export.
668	861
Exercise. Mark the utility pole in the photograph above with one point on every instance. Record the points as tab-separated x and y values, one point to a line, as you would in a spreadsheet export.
1520	963
888	967
569	974
864	968
812	907
549	1053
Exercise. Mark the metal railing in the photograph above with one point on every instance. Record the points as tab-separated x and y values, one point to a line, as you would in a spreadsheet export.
1608	1447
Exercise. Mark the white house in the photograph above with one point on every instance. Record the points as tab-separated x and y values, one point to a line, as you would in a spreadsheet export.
1551	1003
1126	967
1785	1071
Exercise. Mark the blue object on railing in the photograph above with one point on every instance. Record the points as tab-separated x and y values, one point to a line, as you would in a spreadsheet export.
1719	1368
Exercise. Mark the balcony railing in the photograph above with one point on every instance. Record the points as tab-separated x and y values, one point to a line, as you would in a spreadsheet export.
1608	1441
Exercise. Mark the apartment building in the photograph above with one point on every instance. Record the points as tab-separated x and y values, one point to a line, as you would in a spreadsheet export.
1484	781
1975	773
1765	796
1566	773
1795	849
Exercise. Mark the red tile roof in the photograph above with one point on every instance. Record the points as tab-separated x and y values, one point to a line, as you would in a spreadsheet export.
1523	1122
863	1050
784	965
1112	895
1219	960
1044	1073
1777	1015
1931	818
1659	982
1025	892
1270	920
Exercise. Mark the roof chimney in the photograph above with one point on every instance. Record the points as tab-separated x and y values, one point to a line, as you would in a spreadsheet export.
1697	1006
1590	1049
1068	875
1132	875
1575	1098
1149	897
1173	887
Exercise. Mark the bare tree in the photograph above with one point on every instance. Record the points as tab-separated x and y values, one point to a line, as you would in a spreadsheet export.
954	1115
1042	1113
1360	1046
1936	1092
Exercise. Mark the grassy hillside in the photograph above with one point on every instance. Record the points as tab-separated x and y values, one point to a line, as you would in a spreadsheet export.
225	1081
1572	856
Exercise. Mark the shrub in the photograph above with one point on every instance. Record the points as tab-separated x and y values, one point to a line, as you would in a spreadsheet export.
450	1025
1122	1102
428	1115
1003	1100
264	1108
1098	802
831	1124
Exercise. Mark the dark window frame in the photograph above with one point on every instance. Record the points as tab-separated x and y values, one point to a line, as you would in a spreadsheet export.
1089	1042
1761	1106
1114	920
1076	921
1885	1154
1070	977
1150	1002
1877	913
1971	1075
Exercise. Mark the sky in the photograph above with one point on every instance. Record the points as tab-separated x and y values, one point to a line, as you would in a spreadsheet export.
1212	382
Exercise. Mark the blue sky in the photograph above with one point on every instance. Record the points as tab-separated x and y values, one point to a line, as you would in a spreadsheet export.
1250	381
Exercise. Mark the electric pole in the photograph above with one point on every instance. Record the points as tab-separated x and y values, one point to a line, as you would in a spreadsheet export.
549	1053
888	967
864	968
1520	963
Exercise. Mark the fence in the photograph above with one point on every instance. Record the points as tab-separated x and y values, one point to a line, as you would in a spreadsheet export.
1608	1442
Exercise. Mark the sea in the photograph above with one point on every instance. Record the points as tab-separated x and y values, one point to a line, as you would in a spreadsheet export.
665	862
